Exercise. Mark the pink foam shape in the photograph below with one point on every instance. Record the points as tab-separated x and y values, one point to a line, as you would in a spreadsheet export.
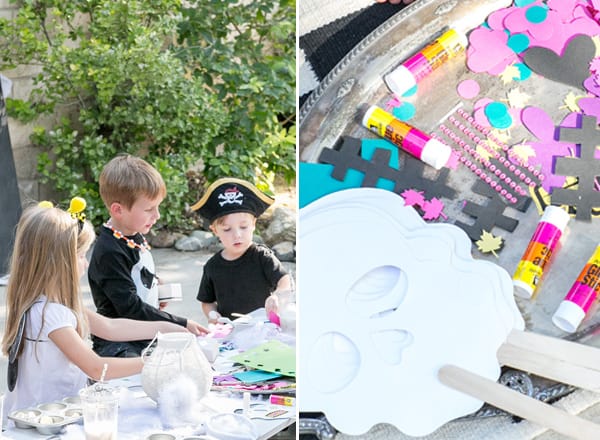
592	86
274	318
496	19
517	22
564	8
589	9
468	89
412	197
594	10
479	112
590	106
392	103
583	24
481	118
453	160
433	209
547	146
481	102
482	43
538	122
515	113
565	32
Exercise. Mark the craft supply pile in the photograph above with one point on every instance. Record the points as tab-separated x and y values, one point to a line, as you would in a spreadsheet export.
473	209
218	385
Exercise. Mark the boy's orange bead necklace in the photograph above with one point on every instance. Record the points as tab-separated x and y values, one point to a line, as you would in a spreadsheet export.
132	244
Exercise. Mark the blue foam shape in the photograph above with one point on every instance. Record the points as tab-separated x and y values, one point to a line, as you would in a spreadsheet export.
368	147
405	111
518	42
524	72
523	3
536	14
410	92
254	376
315	181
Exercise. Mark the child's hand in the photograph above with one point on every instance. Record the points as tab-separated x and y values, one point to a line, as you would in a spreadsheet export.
196	328
162	305
213	317
272	304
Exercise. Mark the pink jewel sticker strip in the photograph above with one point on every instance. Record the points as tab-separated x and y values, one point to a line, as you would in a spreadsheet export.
489	158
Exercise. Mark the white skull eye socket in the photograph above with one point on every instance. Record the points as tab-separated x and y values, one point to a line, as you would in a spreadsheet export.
342	357
378	292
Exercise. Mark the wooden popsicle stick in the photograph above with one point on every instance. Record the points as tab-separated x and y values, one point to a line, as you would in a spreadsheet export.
542	365
555	348
518	404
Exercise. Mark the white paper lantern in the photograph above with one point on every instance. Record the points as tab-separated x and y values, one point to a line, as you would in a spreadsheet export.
175	354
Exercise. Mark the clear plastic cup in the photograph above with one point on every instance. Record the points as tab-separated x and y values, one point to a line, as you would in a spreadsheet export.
100	405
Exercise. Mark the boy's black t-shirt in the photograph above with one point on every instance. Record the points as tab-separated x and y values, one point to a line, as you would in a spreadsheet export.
241	285
115	274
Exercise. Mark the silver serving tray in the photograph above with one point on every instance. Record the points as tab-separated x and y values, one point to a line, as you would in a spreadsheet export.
331	112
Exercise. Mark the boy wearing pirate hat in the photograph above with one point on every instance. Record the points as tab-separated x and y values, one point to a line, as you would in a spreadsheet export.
242	276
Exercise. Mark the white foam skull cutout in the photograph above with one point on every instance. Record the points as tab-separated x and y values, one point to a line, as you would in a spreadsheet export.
385	301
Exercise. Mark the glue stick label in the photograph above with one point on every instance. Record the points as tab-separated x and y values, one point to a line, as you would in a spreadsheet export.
538	253
587	285
437	53
392	129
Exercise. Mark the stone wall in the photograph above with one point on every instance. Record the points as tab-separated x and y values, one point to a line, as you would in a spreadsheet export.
25	155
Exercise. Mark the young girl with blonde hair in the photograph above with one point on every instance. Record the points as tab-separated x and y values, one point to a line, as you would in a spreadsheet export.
54	358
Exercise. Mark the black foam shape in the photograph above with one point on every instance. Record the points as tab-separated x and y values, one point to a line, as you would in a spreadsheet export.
585	168
492	214
571	68
346	155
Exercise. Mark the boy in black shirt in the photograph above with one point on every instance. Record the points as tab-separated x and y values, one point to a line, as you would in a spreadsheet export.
121	271
241	277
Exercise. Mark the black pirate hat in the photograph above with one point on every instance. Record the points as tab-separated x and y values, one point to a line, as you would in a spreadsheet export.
229	195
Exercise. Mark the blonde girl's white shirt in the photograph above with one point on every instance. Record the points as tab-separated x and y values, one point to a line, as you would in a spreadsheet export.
45	373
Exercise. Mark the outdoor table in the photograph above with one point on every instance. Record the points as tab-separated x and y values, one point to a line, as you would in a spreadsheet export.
139	415
147	413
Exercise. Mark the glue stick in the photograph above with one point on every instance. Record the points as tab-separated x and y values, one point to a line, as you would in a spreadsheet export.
409	73
282	400
411	140
539	251
580	298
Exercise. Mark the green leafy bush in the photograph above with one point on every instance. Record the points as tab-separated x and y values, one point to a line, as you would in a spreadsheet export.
115	70
246	53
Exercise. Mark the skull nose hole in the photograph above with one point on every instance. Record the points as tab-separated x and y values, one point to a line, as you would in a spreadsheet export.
390	344
378	292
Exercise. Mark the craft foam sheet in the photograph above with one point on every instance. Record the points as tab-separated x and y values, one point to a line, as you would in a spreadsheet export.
316	180
272	356
419	301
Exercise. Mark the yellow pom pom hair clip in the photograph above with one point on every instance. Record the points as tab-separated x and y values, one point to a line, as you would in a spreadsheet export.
76	208
45	204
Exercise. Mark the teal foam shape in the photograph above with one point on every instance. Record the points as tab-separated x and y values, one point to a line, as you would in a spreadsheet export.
315	181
